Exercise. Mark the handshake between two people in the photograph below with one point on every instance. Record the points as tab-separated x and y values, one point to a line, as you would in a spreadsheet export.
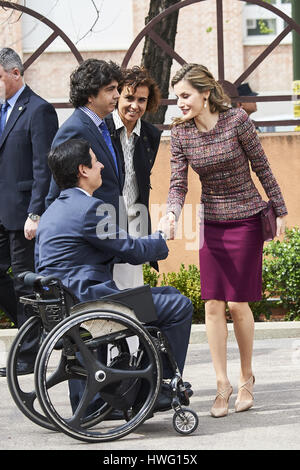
167	225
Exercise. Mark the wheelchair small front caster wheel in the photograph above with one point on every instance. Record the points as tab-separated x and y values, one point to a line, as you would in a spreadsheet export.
185	421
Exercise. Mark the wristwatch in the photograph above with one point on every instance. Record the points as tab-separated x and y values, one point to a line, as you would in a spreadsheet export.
34	217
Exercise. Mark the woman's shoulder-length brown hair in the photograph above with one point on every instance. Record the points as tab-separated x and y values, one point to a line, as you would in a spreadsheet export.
139	76
202	80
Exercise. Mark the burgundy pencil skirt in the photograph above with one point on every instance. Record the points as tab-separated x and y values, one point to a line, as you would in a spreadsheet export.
231	260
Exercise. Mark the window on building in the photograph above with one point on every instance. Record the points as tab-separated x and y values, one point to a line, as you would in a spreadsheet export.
261	25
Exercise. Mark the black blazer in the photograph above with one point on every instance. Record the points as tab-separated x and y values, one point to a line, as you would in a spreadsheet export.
145	152
24	148
144	156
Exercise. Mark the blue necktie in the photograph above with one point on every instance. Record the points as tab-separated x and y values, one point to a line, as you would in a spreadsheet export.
106	137
4	110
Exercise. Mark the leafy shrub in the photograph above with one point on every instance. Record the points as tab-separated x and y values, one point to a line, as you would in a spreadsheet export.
5	321
281	272
151	276
187	281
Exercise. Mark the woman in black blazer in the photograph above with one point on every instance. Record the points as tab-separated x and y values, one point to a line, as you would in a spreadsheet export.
137	142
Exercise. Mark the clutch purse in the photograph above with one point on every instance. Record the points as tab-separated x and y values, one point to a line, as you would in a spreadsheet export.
268	222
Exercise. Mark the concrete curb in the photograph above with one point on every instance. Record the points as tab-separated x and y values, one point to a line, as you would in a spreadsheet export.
6	338
263	330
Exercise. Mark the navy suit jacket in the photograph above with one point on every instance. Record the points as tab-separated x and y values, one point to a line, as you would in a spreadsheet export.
80	126
78	244
24	148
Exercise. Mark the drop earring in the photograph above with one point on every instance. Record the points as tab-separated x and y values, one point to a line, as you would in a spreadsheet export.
205	102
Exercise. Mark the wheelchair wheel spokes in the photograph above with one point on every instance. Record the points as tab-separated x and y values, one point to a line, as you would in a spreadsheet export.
111	383
26	400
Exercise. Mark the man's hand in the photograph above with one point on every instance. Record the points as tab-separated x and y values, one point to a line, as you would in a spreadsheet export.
167	224
30	228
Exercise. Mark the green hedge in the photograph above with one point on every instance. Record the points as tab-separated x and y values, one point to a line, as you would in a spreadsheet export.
281	279
281	272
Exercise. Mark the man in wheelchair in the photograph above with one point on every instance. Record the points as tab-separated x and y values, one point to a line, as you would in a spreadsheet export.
78	241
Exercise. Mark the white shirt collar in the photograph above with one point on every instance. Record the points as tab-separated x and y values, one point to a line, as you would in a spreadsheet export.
84	191
119	123
94	117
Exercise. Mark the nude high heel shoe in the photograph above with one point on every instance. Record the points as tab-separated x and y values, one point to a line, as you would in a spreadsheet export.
244	405
218	412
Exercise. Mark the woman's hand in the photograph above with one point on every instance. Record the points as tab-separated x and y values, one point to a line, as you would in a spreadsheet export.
168	224
280	225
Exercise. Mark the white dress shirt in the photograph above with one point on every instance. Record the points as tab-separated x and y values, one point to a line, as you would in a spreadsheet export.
126	275
130	189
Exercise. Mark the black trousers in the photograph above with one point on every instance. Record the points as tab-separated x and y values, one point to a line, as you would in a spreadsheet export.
18	253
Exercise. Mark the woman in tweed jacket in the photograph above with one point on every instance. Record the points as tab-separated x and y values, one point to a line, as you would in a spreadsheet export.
218	142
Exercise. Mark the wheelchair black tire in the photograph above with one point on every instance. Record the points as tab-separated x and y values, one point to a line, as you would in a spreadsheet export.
24	400
152	374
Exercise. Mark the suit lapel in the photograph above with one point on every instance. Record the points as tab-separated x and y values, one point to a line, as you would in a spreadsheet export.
115	137
18	109
99	139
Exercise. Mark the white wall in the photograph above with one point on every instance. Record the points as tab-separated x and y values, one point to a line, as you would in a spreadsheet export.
113	30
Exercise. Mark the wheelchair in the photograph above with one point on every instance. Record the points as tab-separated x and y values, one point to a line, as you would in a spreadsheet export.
110	347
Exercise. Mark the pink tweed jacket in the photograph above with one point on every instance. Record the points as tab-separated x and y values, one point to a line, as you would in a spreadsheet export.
221	158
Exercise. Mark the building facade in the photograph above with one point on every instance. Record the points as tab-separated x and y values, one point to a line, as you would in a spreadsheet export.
106	28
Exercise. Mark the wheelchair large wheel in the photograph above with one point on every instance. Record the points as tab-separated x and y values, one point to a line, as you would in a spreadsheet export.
116	380
23	392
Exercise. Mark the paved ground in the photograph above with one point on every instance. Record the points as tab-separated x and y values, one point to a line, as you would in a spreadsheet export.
273	423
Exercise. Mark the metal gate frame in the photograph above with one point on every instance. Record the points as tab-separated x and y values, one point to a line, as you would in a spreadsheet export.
231	88
57	32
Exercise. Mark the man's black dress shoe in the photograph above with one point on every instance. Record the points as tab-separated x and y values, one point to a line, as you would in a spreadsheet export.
114	415
164	399
22	369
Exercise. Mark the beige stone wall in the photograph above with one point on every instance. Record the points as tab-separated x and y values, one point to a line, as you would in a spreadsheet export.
283	153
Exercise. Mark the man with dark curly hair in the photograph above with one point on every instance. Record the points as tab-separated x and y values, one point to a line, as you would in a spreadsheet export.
94	94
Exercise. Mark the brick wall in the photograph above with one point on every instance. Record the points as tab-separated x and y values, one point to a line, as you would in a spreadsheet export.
275	73
49	75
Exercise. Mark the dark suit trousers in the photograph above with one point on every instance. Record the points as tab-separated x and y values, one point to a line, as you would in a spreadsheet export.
18	253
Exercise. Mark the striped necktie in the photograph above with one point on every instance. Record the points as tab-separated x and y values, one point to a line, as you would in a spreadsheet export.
4	110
